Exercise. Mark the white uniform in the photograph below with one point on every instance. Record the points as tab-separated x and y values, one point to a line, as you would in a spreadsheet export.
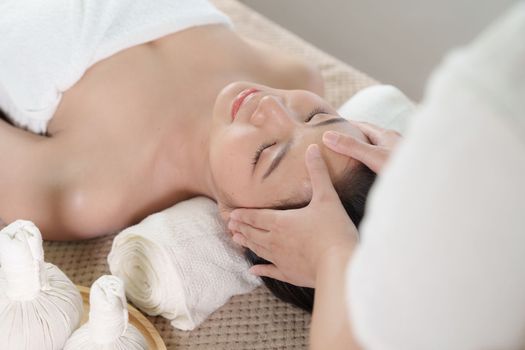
441	264
46	46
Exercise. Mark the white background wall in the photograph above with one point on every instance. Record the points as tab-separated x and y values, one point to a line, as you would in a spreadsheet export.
396	41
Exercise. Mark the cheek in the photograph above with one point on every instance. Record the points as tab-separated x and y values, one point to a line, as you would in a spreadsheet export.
225	162
230	165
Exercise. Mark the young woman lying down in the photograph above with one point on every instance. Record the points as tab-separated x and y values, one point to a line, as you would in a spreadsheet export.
114	111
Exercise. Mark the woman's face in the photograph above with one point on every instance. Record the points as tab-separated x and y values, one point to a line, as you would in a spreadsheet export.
258	142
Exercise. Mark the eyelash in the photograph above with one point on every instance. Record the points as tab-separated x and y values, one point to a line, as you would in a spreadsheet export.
316	111
313	113
259	151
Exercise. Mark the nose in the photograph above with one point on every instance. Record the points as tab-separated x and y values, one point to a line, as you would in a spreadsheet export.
272	111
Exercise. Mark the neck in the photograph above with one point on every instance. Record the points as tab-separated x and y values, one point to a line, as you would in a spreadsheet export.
182	164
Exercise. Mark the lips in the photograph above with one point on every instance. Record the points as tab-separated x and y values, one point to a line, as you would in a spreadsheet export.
237	103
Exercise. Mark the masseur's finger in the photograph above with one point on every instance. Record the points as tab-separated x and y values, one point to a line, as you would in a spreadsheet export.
268	270
260	218
254	247
349	146
387	138
373	132
253	234
322	187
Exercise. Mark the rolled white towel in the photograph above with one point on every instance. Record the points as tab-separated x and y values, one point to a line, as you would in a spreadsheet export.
180	263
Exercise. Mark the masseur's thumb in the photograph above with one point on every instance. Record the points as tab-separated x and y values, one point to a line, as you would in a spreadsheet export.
322	187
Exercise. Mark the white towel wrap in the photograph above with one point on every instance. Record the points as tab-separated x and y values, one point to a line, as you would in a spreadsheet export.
47	46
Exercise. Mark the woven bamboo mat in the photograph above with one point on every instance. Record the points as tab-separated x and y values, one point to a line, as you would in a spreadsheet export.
256	320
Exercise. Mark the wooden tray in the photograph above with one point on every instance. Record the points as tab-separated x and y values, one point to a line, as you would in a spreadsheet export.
138	320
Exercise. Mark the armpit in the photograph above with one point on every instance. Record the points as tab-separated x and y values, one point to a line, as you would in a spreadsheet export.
3	116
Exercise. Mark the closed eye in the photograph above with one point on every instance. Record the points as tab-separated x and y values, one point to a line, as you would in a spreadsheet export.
314	112
259	151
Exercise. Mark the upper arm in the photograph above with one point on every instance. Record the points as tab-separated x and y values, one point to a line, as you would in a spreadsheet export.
27	187
308	76
292	72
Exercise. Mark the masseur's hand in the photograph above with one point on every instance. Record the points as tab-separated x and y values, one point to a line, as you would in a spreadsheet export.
374	154
298	241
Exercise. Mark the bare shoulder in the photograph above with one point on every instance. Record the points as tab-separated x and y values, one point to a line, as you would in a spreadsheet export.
40	183
93	187
290	71
89	210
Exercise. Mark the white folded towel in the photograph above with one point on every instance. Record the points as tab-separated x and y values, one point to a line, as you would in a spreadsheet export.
384	105
180	263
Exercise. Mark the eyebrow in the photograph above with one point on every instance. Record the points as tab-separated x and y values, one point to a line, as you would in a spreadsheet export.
277	160
330	121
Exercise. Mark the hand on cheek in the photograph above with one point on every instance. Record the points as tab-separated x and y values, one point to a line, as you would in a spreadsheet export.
296	241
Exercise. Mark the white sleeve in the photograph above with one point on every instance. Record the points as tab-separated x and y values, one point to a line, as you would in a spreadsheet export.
441	264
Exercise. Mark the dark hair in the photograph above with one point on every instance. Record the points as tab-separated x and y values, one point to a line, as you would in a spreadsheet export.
352	189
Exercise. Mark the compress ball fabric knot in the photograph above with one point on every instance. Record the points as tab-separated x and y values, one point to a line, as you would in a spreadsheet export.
108	327
39	306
